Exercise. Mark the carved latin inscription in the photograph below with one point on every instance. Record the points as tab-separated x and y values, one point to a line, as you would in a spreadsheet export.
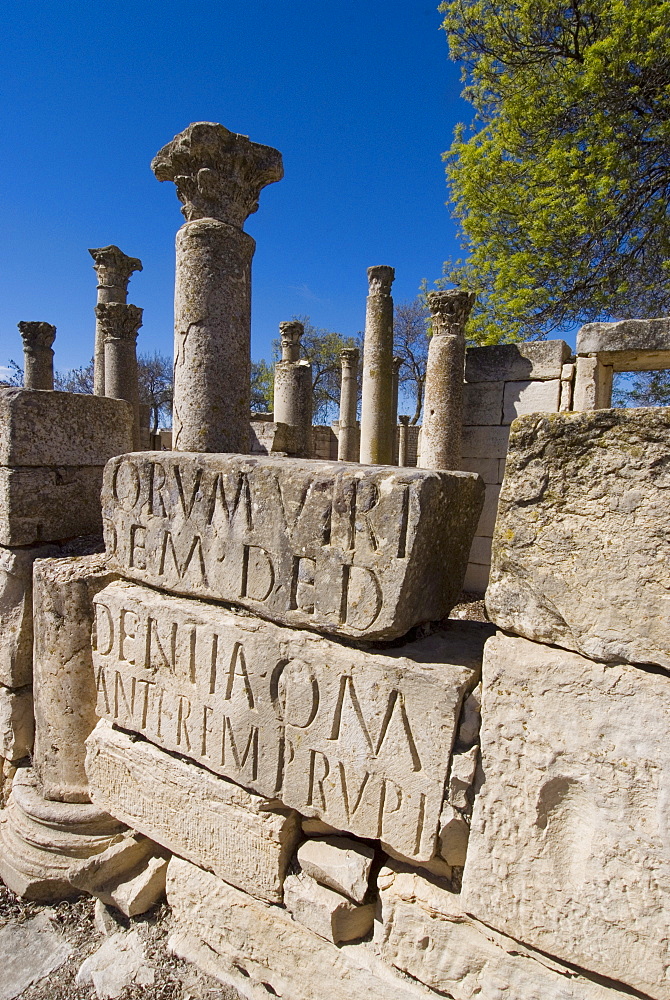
354	550
361	740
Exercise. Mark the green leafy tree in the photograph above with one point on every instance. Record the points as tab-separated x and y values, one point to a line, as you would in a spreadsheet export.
641	389
562	184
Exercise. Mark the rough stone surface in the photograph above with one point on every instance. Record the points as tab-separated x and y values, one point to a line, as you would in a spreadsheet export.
252	945
530	397
516	362
569	839
267	436
208	820
119	962
487	519
326	913
61	428
424	931
38	356
17	727
583	534
16	613
358	739
340	863
28	952
49	504
454	836
293	401
593	385
629	345
360	552
129	875
65	691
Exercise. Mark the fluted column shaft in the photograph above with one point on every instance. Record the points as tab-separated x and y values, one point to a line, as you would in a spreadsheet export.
377	404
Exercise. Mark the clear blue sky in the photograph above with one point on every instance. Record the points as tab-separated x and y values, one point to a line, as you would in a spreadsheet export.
360	98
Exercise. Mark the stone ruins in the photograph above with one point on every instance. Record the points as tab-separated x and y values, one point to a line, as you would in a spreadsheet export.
228	675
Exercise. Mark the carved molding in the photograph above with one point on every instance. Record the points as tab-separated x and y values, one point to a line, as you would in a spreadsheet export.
118	320
37	336
113	266
450	310
380	279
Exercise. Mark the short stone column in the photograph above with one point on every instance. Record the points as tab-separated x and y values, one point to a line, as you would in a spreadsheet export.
443	403
377	405
293	388
113	268
119	324
38	355
348	438
219	176
403	439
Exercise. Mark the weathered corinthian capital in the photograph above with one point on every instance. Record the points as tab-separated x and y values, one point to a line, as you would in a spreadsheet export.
113	266
118	320
218	174
450	310
349	357
290	333
380	279
37	336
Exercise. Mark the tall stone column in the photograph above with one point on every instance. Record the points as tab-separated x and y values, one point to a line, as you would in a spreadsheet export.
402	440
293	388
38	356
347	445
219	176
377	405
113	268
443	402
119	324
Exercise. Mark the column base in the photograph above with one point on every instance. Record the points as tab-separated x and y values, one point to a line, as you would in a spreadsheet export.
41	839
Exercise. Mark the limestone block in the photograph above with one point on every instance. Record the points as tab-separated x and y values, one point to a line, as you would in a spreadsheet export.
17	726
471	719
120	962
353	550
454	836
515	362
267	436
629	345
49	504
461	778
189	811
129	875
105	921
260	949
358	739
487	468
569	841
16	613
425	932
582	538
483	403
29	951
476	578
481	550
593	385
530	397
340	863
484	442
61	428
65	692
487	519
327	913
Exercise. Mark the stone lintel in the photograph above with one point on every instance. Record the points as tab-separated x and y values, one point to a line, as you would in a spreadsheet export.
218	174
628	345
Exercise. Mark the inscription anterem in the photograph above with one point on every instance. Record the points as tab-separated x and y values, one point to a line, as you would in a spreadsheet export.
357	551
361	740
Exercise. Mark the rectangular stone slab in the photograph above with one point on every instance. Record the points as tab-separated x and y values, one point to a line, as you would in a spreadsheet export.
201	817
569	842
359	551
359	739
252	945
582	541
49	504
40	428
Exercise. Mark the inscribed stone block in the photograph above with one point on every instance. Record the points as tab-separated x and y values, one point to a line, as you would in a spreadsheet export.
259	949
483	403
484	442
16	613
62	428
425	932
358	551
487	468
629	345
569	841
516	362
17	726
487	519
358	739
204	818
582	541
49	504
530	397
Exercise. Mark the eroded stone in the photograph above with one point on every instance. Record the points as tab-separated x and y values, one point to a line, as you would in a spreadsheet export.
49	504
359	739
340	863
360	552
327	913
17	726
16	613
